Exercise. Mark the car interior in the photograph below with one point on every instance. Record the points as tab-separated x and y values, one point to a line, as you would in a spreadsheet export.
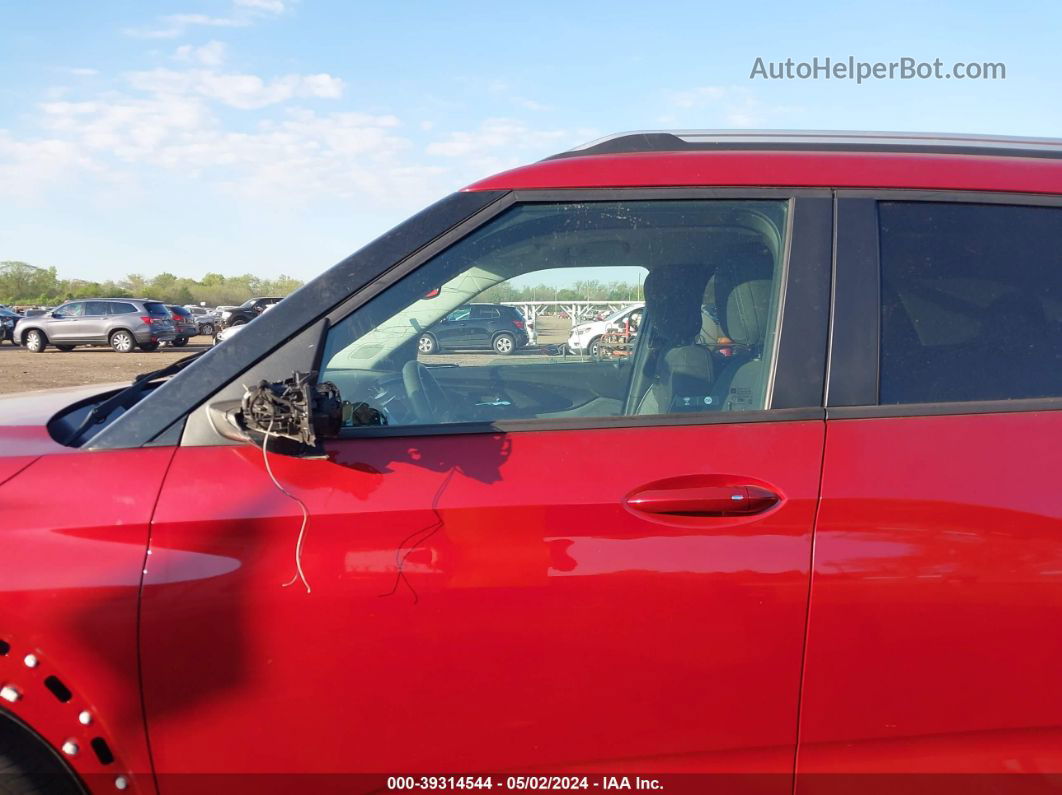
714	268
968	312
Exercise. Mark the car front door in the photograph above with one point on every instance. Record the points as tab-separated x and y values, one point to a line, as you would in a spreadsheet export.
452	330
937	580
617	589
64	323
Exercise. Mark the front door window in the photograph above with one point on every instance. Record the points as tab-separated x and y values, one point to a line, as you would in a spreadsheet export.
487	329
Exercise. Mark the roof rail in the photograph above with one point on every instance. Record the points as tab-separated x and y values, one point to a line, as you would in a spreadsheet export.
816	140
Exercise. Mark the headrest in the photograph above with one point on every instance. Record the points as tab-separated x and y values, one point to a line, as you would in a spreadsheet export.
743	291
673	303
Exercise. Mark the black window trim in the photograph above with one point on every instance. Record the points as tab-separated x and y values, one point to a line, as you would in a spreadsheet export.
796	382
853	369
590	423
381	263
245	355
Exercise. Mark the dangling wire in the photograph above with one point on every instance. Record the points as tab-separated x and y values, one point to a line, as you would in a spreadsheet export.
299	574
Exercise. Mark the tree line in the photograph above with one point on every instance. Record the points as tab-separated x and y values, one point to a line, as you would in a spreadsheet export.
25	284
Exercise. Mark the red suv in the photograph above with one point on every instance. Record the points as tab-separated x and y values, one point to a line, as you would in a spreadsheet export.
828	538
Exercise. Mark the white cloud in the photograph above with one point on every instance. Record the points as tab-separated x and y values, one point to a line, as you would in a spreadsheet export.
243	91
127	128
270	6
176	25
28	168
492	135
242	14
697	97
171	121
530	104
502	143
301	157
726	106
210	54
188	20
322	86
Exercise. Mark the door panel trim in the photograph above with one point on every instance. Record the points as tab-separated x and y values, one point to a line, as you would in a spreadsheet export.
853	357
942	409
590	423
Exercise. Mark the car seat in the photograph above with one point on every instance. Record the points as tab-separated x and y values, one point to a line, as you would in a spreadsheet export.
679	372
743	292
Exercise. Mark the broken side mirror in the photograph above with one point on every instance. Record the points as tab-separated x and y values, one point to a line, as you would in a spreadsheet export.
296	413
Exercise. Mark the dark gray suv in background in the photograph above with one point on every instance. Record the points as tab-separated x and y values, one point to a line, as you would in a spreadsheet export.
123	323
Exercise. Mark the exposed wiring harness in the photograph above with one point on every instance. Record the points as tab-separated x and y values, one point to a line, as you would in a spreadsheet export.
299	573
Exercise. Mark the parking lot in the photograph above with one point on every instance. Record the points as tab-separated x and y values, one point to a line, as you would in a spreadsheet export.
21	371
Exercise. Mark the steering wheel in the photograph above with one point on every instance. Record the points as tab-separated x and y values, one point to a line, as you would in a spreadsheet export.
429	401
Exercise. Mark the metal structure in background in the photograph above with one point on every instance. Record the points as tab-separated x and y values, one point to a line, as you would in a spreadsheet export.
576	310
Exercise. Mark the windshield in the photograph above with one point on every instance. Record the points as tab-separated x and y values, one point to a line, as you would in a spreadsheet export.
157	310
247	304
8	313
180	310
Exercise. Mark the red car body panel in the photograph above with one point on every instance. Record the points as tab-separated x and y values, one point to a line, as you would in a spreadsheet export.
23	423
933	640
533	628
930	642
79	621
811	169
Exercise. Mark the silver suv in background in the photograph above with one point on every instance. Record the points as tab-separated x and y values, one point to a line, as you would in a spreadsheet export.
123	323
206	320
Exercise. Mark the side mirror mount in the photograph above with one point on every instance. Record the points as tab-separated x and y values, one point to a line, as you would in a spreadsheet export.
296	413
224	417
57	315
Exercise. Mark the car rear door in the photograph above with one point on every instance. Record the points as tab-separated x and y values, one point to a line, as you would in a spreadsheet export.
482	323
616	593
93	324
937	579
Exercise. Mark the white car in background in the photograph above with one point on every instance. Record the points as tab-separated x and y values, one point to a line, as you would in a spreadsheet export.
229	331
584	337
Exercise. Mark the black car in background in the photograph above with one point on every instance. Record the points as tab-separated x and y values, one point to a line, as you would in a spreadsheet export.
246	312
8	318
477	327
184	325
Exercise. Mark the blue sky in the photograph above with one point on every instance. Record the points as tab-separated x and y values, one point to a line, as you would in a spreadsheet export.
277	136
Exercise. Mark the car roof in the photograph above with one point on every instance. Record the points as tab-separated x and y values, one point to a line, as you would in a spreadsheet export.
816	140
141	300
931	161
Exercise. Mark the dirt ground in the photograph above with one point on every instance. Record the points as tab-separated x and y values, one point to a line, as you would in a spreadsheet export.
22	371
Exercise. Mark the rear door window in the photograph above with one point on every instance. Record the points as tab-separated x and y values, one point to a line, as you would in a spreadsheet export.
96	308
971	302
